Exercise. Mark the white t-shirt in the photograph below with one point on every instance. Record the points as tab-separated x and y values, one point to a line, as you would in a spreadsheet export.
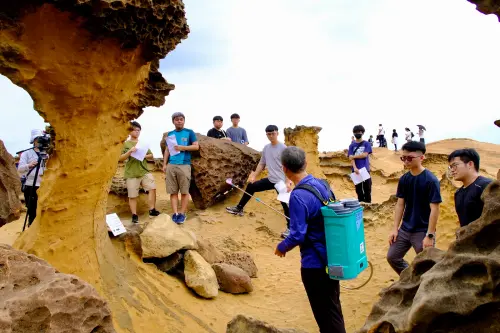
421	133
381	131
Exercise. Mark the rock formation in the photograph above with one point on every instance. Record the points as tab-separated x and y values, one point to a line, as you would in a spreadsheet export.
242	260
34	297
216	161
306	138
10	188
457	291
209	252
232	279
199	275
243	324
90	66
487	6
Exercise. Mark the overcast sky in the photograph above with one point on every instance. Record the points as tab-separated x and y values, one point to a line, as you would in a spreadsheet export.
326	63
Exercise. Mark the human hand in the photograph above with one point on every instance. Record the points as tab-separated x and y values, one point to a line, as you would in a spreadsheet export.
251	178
393	236
356	171
32	164
164	169
279	253
427	242
131	150
351	157
178	148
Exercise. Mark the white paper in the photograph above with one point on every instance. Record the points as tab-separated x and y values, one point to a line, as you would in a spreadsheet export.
280	187
284	197
171	142
363	175
115	224
141	152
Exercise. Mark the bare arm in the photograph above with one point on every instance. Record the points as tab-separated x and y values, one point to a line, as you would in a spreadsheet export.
398	213
195	146
259	169
126	155
354	165
363	155
433	218
165	157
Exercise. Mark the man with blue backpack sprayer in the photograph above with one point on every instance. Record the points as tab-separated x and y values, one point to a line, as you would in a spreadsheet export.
307	230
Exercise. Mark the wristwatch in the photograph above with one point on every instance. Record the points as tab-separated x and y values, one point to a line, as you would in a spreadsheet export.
430	235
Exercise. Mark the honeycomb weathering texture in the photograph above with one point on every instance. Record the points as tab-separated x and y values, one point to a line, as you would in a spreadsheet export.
487	6
457	291
10	188
306	138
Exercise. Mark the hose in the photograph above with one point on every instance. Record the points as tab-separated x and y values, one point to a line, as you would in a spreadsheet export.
364	283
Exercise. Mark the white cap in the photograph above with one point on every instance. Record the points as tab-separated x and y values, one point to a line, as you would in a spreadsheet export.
35	134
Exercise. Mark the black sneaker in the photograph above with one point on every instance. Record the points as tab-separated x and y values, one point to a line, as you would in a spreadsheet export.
135	218
153	212
235	210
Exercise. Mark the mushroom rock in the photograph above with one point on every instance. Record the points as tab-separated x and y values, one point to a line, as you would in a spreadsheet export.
10	188
90	67
216	161
487	6
306	138
456	291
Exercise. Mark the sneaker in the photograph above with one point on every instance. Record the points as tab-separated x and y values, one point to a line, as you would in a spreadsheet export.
235	210
180	218
153	212
135	218
285	233
175	216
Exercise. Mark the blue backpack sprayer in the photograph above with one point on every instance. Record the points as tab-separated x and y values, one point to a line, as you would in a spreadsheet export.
344	232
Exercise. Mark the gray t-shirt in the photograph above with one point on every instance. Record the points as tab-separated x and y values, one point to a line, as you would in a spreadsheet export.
237	134
271	157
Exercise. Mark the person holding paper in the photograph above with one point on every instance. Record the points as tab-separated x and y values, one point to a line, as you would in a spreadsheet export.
137	173
417	209
177	166
358	154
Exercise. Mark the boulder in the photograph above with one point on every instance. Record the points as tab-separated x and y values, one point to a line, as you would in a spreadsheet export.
216	161
244	324
10	188
34	297
232	279
457	291
306	137
162	237
168	264
242	260
118	196
209	252
199	275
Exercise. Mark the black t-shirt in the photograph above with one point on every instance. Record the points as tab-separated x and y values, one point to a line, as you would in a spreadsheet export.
468	203
394	134
419	192
215	133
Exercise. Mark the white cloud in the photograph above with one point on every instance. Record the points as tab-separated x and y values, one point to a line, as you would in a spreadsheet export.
333	64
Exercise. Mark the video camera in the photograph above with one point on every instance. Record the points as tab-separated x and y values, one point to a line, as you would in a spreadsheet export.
43	143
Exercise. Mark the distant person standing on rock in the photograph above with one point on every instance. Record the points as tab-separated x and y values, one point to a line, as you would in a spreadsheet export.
358	153
137	174
217	132
464	166
421	132
271	158
408	135
236	133
381	136
370	140
395	139
307	230
177	167
419	197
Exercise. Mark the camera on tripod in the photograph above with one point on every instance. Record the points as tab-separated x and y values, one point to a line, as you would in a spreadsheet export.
43	145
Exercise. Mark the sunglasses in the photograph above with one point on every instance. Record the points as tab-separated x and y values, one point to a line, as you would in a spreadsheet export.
409	158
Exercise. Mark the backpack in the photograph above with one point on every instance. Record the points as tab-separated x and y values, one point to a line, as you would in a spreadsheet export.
412	135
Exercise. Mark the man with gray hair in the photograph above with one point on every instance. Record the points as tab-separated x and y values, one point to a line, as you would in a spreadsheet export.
307	230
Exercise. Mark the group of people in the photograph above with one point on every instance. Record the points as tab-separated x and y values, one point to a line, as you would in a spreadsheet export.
394	137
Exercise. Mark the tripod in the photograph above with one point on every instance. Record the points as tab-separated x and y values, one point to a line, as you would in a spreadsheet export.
41	160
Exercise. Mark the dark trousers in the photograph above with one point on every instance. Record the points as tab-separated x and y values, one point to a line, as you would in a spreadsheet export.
364	191
324	297
401	246
32	203
261	186
422	140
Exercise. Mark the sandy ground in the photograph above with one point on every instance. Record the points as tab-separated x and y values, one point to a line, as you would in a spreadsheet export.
279	296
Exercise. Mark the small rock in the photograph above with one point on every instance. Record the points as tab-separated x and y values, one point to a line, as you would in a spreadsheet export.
232	279
209	252
199	275
169	263
162	237
243	324
242	260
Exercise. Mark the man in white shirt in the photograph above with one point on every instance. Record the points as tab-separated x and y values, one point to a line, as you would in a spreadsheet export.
381	136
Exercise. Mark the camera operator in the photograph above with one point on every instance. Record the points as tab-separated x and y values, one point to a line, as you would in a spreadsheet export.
27	166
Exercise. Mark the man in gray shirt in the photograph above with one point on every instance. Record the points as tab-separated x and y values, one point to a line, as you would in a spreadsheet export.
237	134
271	158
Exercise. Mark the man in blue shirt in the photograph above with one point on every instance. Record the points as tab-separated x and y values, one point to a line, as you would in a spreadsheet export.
307	230
177	167
418	206
358	153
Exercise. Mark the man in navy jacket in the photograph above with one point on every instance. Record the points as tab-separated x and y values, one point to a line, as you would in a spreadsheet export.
307	231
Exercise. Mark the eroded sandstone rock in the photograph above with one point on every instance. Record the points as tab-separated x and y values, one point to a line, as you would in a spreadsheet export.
199	275
162	237
216	161
10	188
457	291
209	252
35	298
242	260
244	324
232	279
169	263
306	138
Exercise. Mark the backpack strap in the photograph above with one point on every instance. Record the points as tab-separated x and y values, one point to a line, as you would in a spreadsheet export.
318	195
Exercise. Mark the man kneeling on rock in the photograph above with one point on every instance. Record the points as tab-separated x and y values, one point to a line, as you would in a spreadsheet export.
307	230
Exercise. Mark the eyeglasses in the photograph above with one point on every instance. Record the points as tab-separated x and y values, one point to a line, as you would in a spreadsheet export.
408	158
454	166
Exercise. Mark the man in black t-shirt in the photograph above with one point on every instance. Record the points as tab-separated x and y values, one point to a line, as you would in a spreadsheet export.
464	166
217	132
418	198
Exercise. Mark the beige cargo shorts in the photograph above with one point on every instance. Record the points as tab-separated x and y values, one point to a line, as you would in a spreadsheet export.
178	178
133	184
